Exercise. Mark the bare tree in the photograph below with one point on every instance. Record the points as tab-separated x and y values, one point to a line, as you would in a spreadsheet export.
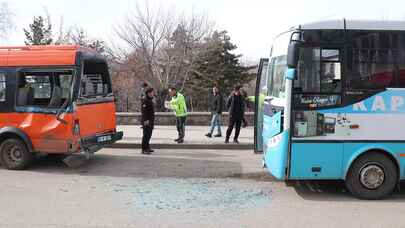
75	35
144	32
79	36
160	47
64	33
7	24
183	47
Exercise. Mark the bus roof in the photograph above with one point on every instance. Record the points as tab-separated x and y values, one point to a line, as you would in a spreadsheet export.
40	55
356	25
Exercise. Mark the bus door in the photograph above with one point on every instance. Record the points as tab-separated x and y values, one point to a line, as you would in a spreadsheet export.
317	148
260	94
275	107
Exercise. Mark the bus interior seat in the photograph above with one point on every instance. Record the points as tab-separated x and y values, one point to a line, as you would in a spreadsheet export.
2	94
25	96
56	99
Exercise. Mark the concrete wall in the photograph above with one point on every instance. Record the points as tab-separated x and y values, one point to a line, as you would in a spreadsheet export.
168	118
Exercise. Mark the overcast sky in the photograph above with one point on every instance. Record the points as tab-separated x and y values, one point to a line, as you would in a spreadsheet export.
251	23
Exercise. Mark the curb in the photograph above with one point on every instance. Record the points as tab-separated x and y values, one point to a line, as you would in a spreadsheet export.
185	146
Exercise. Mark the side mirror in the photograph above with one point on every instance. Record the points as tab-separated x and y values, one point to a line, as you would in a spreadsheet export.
293	54
291	74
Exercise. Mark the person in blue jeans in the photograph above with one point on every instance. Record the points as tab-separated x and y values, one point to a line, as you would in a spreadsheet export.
216	110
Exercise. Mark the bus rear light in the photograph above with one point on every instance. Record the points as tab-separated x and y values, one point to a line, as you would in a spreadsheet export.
76	128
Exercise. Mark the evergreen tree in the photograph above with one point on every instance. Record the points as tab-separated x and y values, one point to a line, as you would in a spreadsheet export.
216	64
39	32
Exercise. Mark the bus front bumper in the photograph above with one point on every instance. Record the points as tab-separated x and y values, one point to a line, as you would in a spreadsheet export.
96	142
90	145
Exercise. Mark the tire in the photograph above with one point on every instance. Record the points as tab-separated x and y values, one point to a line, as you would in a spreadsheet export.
372	176
14	154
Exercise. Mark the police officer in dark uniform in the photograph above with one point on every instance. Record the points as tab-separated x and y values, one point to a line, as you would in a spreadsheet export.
147	119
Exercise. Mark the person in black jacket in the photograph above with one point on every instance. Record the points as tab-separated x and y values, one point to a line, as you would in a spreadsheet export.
236	108
147	119
216	111
245	99
144	86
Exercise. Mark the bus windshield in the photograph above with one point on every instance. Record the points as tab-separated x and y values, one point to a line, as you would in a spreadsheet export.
278	66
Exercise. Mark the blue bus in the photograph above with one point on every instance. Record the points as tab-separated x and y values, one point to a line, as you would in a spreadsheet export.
331	105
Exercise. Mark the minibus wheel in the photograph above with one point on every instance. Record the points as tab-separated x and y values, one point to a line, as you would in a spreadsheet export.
372	176
14	154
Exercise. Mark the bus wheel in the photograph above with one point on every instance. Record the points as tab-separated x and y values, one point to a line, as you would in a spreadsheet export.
14	154
372	176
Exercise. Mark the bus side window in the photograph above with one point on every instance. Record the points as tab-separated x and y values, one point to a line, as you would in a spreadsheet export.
44	89
400	60
319	78
34	88
65	81
95	79
331	71
2	87
92	85
372	61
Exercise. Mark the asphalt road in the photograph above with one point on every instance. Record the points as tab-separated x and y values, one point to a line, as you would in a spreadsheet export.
180	188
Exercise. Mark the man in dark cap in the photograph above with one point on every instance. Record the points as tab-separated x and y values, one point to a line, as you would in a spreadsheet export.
147	119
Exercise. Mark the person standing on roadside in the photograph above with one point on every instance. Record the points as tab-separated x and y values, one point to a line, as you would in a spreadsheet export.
216	111
245	99
236	108
144	86
147	119
178	105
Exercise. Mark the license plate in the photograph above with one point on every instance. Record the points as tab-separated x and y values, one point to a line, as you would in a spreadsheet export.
104	138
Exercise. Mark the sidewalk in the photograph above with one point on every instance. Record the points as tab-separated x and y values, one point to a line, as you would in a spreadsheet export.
163	137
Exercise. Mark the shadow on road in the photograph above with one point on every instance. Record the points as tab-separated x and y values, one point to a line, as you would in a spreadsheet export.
144	166
335	191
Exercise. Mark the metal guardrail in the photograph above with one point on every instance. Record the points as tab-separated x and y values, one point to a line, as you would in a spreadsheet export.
131	114
168	118
202	146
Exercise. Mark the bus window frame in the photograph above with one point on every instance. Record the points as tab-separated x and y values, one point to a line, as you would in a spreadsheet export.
95	99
